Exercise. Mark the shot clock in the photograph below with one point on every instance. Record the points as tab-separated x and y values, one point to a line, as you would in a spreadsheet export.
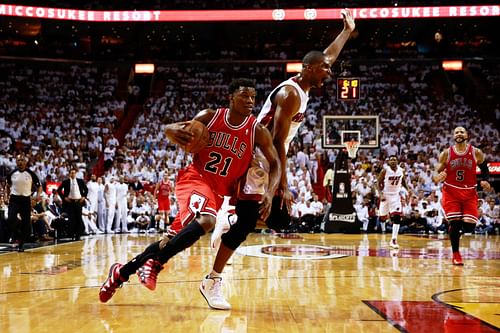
348	88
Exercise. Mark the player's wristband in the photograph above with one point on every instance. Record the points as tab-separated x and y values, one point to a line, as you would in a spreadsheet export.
485	172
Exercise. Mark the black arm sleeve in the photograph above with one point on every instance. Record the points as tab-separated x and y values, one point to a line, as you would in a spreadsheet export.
35	181
9	177
485	172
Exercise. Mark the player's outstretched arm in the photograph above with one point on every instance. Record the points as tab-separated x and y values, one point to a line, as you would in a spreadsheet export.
333	50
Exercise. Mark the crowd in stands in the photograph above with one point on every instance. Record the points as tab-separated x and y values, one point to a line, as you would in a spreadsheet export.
60	115
68	115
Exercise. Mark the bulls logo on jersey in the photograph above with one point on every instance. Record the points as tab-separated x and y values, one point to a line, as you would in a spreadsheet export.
461	162
196	202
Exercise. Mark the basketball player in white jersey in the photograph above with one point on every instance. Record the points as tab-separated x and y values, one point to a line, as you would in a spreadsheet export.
282	114
391	181
283	111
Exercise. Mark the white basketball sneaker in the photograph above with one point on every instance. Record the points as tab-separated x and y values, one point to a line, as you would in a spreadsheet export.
222	225
211	289
394	244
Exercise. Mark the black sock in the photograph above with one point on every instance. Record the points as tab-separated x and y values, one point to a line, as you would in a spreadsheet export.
184	239
455	228
133	265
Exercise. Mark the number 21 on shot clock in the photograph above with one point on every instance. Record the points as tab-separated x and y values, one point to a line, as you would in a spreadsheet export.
348	88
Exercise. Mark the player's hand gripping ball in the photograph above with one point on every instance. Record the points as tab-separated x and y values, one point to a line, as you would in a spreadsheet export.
201	136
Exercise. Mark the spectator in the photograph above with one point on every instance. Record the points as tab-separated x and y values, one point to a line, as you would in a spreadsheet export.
40	220
73	193
362	214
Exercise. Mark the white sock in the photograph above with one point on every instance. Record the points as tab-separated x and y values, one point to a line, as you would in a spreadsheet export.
382	226
214	274
395	263
365	226
395	230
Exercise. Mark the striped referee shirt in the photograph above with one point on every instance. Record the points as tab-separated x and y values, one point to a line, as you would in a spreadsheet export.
23	183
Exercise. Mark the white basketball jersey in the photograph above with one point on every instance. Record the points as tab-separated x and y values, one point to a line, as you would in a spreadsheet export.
393	180
266	115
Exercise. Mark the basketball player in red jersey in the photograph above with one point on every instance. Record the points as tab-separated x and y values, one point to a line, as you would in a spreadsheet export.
282	113
162	192
457	168
200	188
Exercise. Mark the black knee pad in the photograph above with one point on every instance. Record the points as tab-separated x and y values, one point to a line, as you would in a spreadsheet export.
248	214
396	219
279	219
455	226
468	228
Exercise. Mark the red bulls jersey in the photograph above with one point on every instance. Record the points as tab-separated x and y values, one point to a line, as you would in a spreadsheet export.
164	190
228	155
461	168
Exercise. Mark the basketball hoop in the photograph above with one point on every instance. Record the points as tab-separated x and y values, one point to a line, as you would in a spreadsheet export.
352	148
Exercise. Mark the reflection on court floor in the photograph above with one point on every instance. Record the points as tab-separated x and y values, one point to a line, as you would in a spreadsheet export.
303	283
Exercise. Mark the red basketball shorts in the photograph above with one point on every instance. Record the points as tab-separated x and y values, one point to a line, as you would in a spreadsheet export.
460	203
194	195
163	204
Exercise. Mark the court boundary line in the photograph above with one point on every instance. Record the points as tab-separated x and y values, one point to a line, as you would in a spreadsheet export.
435	298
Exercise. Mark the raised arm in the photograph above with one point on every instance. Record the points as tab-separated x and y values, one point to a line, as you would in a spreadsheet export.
333	50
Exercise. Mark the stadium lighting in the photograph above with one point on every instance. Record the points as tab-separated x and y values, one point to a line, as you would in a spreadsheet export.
293	67
452	65
144	68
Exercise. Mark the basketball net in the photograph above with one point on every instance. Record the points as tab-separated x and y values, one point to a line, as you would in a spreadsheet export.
352	148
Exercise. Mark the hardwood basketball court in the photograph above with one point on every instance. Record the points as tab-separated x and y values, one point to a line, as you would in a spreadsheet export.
298	283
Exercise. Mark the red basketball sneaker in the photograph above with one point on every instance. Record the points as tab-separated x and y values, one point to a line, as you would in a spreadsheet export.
148	273
113	282
457	259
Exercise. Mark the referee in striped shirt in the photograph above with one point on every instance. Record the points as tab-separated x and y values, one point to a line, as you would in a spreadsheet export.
22	183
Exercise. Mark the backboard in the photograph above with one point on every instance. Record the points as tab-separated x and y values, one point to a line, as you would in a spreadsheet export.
339	129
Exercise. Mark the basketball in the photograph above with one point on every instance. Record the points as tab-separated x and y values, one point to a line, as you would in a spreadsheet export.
201	136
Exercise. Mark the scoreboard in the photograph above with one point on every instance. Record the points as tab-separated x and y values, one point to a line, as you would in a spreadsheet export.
348	88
